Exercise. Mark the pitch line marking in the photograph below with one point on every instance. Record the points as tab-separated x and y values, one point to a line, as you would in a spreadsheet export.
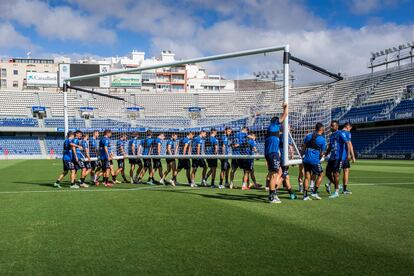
55	190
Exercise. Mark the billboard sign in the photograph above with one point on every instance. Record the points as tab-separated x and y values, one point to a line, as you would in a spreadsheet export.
41	79
126	80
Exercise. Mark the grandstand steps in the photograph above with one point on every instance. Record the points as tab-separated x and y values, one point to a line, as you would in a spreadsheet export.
42	145
383	139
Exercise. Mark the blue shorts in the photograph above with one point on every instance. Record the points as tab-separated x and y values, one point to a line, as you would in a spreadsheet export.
273	162
198	162
94	165
79	165
334	166
147	163
87	164
68	165
313	168
183	164
225	165
346	164
156	163
212	163
237	163
285	171
121	163
248	165
105	164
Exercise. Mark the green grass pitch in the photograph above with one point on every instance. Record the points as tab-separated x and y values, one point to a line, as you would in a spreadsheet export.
140	229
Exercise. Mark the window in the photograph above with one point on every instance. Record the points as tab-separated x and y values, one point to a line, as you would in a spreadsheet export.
15	84
15	72
3	83
3	72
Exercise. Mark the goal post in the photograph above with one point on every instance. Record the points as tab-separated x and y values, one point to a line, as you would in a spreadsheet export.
304	110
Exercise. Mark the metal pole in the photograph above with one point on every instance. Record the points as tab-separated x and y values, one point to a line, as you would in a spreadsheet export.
182	62
286	100
65	108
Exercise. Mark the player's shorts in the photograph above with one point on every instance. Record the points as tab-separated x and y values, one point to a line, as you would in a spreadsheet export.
183	164
79	165
225	165
68	165
111	162
273	162
333	166
132	161
94	164
313	168
156	163
199	162
212	163
346	164
237	163
105	164
248	164
88	165
169	160
147	163
285	171
121	163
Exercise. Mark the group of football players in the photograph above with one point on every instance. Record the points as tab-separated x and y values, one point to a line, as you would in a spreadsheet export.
93	156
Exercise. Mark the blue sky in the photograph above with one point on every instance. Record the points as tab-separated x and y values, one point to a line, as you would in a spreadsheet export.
194	27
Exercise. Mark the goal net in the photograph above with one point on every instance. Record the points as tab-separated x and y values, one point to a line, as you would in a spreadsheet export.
238	103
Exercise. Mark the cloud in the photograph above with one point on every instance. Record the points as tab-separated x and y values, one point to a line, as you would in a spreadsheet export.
61	22
361	7
10	38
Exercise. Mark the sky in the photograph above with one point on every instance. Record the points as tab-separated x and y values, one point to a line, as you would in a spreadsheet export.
338	35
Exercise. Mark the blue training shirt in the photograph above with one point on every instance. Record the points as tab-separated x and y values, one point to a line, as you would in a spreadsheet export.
197	141
146	145
171	143
85	145
240	139
67	150
224	141
104	142
120	144
182	143
211	143
272	139
155	143
78	151
337	142
251	145
93	147
133	143
315	145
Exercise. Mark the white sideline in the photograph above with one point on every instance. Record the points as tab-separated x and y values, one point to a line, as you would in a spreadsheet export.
55	190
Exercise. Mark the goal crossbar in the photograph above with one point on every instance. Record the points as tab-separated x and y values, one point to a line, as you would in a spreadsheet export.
182	62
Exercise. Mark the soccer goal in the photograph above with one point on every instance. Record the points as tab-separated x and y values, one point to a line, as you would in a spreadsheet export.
235	99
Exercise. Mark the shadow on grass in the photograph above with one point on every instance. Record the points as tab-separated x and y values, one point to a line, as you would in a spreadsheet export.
248	196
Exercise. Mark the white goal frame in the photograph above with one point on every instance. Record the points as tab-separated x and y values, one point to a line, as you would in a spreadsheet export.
286	59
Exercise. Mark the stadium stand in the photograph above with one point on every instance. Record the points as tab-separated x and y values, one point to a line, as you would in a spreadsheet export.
20	145
370	98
